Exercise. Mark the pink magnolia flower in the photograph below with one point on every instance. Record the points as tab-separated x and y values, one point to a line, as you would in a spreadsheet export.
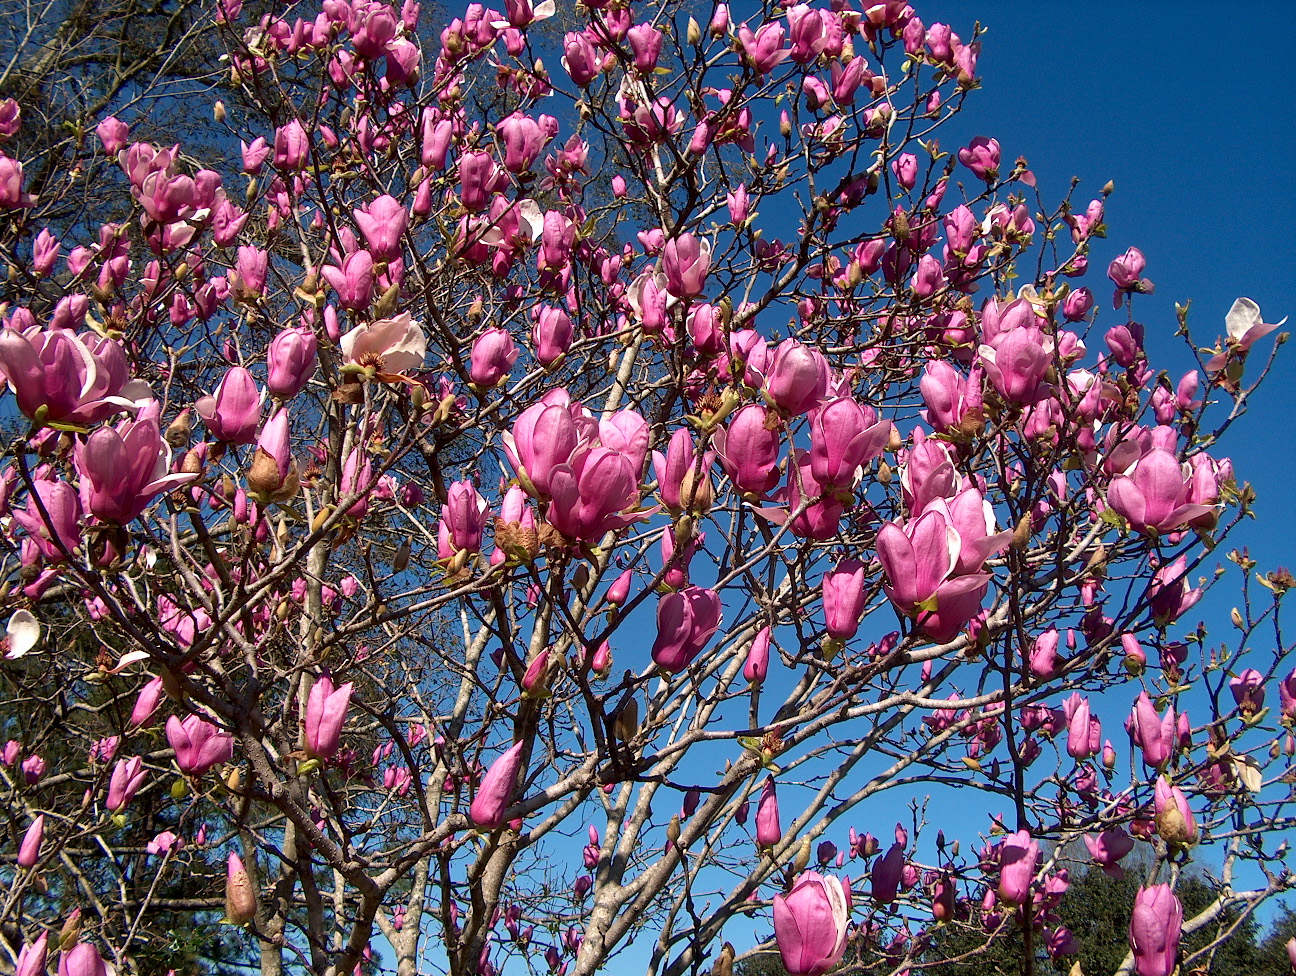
29	846
464	518
1287	697
594	494
844	598
354	281
164	843
813	32
1108	848
905	168
954	402
1169	593
254	155
146	703
522	13
496	790
739	205
1084	730
240	896
392	347
981	156
113	134
1155	494
291	146
810	924
53	525
123	470
1248	691
12	196
1174	817
1018	859
326	709
233	412
493	354
1016	362
844	436
524	139
1155	928
581	59
31	960
686	621
820	517
680	484
198	744
546	435
768	830
887	873
128	776
479	177
685	261
552	334
382	223
749	450
1077	305
1124	272
59	377
796	379
1156	735
82	959
645	45
763	49
919	559
291	361
756	667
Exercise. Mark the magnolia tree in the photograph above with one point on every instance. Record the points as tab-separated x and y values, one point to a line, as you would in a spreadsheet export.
551	491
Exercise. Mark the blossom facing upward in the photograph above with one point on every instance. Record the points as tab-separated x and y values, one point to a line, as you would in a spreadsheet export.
391	347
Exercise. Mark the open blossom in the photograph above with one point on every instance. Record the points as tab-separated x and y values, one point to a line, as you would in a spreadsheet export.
394	346
1155	494
1244	327
598	492
981	156
122	470
763	48
58	376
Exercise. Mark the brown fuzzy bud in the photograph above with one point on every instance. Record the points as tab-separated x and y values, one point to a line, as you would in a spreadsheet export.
240	898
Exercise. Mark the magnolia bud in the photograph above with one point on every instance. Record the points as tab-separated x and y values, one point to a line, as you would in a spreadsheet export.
240	899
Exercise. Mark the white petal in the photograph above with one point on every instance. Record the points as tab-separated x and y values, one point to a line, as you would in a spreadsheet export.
24	633
1242	316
